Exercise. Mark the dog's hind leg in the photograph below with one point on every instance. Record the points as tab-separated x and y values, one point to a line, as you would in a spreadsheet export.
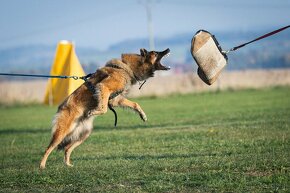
70	147
56	139
61	130
82	132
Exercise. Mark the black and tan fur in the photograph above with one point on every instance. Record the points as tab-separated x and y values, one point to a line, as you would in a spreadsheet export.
73	121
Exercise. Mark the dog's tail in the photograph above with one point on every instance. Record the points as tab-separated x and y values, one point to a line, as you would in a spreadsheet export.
79	131
62	127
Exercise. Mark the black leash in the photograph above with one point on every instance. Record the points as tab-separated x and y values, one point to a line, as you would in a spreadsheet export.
141	84
259	38
42	76
115	113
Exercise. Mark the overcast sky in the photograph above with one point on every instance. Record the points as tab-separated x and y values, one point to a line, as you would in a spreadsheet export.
99	24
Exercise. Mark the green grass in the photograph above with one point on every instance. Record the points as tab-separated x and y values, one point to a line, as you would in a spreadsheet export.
233	141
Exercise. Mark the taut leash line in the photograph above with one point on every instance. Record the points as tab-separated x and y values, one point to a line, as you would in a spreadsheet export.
84	78
41	76
259	38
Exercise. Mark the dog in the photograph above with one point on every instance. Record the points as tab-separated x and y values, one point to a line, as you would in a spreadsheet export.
107	87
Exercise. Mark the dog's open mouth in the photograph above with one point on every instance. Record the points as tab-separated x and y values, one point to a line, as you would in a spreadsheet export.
161	55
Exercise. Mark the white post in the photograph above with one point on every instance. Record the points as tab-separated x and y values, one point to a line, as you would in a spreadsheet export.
148	6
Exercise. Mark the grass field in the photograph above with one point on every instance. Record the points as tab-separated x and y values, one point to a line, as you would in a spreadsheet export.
232	141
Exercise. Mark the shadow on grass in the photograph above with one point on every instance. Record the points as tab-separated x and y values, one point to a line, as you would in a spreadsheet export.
155	157
132	127
9	131
24	131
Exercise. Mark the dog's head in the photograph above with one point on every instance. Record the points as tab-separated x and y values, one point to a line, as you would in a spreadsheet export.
153	58
145	64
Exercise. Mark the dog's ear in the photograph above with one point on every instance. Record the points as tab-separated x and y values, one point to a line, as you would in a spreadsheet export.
143	52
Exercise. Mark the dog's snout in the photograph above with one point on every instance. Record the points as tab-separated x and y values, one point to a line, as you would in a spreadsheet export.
167	51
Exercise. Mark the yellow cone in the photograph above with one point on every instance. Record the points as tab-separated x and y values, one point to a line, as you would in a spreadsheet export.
65	63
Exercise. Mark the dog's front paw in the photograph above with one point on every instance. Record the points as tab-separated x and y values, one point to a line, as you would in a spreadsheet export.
143	116
42	167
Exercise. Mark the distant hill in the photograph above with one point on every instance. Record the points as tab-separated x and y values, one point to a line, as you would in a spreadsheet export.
273	52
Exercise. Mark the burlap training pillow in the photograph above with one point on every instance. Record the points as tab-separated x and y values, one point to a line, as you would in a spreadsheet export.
208	55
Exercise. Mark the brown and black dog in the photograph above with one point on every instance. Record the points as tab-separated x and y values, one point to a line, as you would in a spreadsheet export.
73	121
